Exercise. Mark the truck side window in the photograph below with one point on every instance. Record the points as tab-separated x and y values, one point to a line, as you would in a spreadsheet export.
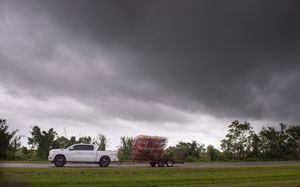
83	147
76	147
88	147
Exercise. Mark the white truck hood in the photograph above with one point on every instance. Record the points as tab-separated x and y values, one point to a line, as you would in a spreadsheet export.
56	150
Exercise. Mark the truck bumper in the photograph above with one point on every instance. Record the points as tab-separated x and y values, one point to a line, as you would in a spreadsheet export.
50	158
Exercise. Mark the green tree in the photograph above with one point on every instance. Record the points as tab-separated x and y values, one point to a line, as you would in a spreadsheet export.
101	141
26	154
275	144
170	152
14	146
238	142
72	140
192	149
124	151
213	153
293	142
43	141
85	140
256	147
61	142
5	138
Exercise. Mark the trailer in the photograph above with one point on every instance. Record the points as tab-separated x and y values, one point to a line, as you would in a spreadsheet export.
152	149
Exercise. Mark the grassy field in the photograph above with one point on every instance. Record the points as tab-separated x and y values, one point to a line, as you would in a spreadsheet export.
229	176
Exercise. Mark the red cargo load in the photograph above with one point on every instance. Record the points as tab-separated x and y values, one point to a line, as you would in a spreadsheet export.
148	148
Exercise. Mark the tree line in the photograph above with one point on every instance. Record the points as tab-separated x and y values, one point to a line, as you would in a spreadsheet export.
240	143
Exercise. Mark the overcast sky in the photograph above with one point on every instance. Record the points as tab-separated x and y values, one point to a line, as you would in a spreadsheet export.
181	69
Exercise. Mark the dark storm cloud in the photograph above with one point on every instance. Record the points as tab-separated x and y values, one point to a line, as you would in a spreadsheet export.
226	58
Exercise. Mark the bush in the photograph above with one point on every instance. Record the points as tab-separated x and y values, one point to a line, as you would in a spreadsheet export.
190	159
10	155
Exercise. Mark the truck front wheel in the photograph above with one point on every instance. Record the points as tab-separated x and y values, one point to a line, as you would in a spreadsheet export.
104	161
59	161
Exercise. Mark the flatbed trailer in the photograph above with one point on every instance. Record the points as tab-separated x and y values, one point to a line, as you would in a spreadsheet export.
151	149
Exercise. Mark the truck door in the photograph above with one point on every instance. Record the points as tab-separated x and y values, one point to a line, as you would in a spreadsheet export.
82	153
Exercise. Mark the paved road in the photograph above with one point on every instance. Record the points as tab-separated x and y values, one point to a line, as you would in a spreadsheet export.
186	165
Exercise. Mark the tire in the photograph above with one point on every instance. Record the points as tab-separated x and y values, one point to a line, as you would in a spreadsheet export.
152	164
170	163
104	161
59	161
160	163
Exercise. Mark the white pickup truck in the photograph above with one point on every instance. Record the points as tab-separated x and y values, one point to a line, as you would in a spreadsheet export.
87	153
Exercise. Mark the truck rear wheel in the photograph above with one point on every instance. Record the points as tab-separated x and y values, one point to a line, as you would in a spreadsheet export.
104	161
59	161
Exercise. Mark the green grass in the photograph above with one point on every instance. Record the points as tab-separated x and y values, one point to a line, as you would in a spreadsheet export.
229	176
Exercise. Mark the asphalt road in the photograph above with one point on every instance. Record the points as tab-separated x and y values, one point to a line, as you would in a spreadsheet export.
143	165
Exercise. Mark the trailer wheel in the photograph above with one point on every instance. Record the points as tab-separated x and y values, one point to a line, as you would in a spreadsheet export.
59	161
104	161
160	163
152	164
170	163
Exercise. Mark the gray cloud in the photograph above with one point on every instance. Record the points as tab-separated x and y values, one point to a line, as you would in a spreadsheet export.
227	58
154	63
47	63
